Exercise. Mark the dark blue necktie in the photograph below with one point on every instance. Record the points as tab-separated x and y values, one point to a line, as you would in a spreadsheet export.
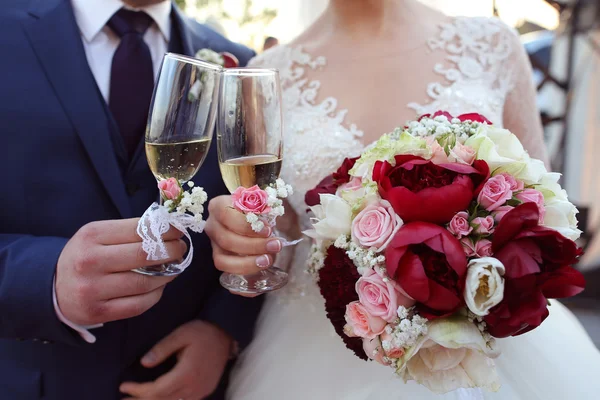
131	77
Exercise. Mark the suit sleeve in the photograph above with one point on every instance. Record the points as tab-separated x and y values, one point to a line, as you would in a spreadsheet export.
27	268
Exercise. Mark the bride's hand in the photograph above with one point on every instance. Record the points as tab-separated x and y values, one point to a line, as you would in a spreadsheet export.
237	249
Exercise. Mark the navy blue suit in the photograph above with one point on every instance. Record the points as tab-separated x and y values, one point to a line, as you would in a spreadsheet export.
62	167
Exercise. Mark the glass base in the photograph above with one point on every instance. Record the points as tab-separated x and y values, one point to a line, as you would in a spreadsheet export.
159	270
262	282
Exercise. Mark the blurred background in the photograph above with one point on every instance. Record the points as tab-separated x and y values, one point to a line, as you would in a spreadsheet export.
562	39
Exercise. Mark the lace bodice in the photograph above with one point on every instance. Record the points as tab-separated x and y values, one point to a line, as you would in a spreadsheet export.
482	63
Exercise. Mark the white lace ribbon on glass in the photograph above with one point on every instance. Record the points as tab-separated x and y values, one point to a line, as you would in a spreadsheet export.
156	221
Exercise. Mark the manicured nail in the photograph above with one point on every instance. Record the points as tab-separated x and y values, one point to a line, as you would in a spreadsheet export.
274	246
148	358
266	231
263	261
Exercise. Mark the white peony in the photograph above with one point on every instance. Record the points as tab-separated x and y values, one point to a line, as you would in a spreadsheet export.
484	286
503	152
561	215
453	355
333	217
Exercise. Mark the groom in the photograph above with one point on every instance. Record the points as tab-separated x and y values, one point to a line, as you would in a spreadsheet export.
75	322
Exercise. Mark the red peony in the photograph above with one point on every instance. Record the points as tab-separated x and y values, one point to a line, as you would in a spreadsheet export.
330	184
463	117
337	282
538	267
430	266
420	190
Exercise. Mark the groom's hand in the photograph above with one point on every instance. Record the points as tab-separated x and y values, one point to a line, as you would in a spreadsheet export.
237	249
202	353
94	282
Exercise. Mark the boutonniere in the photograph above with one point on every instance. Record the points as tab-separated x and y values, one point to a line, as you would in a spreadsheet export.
224	59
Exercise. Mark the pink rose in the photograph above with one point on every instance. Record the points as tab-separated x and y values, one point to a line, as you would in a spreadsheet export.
374	350
381	299
459	225
170	188
514	183
483	226
462	154
438	155
500	212
376	225
533	196
393	351
495	193
483	247
361	323
354	184
251	200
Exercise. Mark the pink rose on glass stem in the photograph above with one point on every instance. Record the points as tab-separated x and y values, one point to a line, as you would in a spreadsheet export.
482	248
533	196
500	212
514	183
376	225
251	200
459	225
495	193
170	188
483	226
462	154
381	299
361	323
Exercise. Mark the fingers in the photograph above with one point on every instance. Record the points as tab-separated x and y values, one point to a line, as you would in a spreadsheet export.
128	307
126	284
238	244
125	257
162	350
240	265
161	388
119	231
220	208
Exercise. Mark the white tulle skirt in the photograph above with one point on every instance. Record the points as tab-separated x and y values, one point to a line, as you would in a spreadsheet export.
296	355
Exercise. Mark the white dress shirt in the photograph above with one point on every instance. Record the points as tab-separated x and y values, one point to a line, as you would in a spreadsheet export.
100	44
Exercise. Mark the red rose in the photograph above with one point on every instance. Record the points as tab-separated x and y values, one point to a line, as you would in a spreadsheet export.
430	266
420	190
337	282
330	184
229	60
537	261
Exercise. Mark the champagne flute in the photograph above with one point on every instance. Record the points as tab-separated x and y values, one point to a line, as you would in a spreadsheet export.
180	125
250	145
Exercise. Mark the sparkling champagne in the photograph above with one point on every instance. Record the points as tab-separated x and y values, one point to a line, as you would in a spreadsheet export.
177	160
248	171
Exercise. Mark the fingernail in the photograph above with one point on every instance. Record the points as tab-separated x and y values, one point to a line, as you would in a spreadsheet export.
263	261
274	246
266	231
148	358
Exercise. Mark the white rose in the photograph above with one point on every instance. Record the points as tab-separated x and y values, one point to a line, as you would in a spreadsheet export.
561	215
333	217
550	187
452	355
484	285
503	152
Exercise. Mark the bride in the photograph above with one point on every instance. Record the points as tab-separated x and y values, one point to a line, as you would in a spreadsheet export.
363	68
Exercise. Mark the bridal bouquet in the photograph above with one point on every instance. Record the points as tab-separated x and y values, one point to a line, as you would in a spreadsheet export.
439	238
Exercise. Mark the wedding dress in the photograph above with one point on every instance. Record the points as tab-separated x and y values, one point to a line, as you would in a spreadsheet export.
296	354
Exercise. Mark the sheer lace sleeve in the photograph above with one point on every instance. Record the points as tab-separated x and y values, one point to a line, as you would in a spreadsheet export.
521	115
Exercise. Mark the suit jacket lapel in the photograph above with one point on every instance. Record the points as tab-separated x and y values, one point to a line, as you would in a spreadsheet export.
55	38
